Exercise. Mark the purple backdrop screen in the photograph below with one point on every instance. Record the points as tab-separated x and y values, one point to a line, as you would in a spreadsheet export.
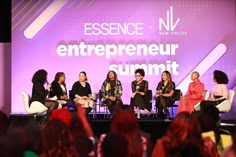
101	35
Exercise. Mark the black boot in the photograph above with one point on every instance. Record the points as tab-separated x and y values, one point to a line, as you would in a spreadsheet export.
167	113
160	114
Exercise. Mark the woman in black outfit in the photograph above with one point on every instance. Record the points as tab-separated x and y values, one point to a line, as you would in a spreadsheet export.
139	89
58	88
164	93
81	90
39	93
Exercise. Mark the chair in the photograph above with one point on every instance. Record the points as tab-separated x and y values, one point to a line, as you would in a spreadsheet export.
95	100
148	99
224	106
71	96
35	107
176	96
206	95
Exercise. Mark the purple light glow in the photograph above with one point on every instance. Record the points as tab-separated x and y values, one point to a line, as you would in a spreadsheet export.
193	30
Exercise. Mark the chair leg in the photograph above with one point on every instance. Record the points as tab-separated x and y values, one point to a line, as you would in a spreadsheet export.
35	117
95	110
105	112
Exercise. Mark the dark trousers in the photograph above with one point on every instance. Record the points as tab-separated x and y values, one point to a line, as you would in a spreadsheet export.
162	103
205	103
113	105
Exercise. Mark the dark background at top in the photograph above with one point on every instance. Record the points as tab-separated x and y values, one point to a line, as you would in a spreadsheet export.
5	20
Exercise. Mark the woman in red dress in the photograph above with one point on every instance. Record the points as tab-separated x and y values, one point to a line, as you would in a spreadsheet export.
193	96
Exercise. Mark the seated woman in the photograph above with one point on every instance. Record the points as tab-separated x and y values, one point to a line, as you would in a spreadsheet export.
111	92
139	89
220	92
82	92
39	93
193	96
164	93
58	90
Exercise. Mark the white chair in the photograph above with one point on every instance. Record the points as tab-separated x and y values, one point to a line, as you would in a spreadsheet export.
35	107
206	95
224	106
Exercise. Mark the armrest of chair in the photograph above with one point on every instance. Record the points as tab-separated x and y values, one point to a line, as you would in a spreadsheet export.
197	107
224	106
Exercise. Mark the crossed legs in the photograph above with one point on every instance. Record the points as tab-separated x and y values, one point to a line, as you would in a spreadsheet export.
51	105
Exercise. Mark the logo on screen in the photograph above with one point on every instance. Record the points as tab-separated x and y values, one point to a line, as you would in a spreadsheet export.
168	25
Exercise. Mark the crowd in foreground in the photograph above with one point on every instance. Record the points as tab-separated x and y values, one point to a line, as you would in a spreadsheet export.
69	134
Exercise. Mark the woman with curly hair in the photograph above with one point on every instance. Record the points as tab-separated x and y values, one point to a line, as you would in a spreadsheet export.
183	139
58	140
220	92
139	93
40	93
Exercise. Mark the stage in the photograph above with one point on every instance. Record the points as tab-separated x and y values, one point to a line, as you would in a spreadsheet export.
152	125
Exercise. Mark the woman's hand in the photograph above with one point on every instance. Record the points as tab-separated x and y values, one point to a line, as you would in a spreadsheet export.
112	98
48	87
165	95
85	97
141	93
64	97
211	99
158	93
183	97
133	94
